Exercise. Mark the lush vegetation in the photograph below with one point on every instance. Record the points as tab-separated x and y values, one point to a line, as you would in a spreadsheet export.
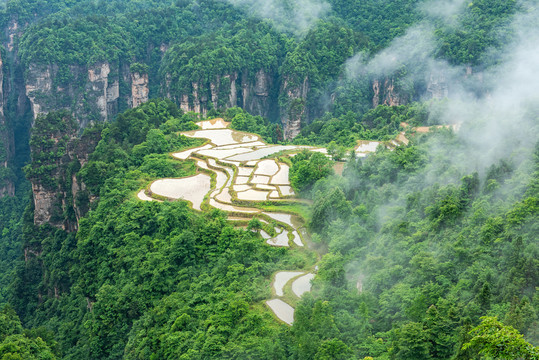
243	121
411	266
380	123
420	253
307	168
211	43
148	270
407	271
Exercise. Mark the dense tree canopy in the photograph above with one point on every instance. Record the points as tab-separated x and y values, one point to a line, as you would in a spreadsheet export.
420	250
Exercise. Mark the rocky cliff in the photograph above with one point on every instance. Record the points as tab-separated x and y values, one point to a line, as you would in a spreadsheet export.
257	93
139	89
253	92
386	93
293	100
57	154
93	94
437	86
7	187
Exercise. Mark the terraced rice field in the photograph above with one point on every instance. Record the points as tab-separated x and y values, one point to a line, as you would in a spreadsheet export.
243	174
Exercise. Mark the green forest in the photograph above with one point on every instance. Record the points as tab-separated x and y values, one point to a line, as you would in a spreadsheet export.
422	247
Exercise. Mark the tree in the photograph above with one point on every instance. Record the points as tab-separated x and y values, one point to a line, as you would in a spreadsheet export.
333	349
309	167
498	341
411	343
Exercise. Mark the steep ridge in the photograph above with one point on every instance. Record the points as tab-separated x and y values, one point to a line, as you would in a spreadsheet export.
7	187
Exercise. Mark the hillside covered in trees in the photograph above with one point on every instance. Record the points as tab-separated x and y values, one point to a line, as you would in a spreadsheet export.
395	145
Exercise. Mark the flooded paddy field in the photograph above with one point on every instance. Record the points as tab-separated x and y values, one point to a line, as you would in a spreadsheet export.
243	173
192	189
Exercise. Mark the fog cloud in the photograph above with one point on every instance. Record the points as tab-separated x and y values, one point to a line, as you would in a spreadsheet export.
496	120
295	16
445	10
413	48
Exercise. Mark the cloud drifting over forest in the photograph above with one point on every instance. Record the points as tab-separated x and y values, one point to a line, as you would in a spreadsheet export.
498	122
296	16
494	104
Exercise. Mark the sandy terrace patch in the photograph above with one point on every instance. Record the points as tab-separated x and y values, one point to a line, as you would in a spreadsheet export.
238	188
220	178
235	163
232	208
402	138
230	173
267	167
221	154
302	285
284	218
250	145
245	171
366	146
142	196
281	278
280	240
253	195
260	153
224	196
222	136
260	179
241	180
192	188
338	167
183	155
297	238
281	178
202	164
282	310
265	187
422	129
239	218
217	123
320	150
286	190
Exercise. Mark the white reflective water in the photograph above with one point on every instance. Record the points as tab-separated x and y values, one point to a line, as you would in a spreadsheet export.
192	188
302	285
242	163
282	310
281	278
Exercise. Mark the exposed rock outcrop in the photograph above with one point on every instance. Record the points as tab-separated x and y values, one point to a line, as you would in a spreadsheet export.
437	86
44	201
253	93
7	187
293	106
233	96
96	89
57	154
39	87
98	100
139	89
13	31
385	93
256	93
